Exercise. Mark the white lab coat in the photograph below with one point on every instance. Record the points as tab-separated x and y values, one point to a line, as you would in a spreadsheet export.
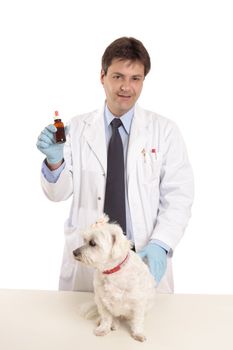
159	187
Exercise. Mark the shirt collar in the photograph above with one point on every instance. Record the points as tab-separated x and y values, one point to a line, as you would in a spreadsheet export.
126	118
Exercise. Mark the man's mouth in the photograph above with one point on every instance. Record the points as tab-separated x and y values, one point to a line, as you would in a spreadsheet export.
124	96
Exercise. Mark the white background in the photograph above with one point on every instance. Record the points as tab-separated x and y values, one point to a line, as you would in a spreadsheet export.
50	59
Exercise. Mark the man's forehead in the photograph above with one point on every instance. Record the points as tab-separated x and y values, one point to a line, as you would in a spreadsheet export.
122	64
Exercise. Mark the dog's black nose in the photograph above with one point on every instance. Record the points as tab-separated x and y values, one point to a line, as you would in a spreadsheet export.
76	252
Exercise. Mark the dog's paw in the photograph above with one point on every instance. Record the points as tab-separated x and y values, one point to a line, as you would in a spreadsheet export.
100	331
139	337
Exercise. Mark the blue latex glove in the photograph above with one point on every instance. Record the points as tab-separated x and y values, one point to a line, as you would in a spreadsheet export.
156	258
47	145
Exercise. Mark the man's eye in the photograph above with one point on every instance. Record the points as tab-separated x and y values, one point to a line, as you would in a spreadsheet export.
92	243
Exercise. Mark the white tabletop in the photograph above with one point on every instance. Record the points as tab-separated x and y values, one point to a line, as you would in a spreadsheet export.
41	320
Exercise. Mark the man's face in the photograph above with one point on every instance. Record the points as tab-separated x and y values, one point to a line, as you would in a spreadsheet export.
123	85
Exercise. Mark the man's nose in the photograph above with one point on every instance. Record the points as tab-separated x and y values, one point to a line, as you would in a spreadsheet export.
125	86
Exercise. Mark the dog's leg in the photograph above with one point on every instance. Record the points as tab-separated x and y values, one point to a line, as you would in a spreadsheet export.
115	324
105	321
137	325
105	324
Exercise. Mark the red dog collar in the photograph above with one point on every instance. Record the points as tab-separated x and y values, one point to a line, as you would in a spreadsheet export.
116	268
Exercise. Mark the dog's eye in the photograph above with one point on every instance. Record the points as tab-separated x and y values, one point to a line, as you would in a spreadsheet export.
92	243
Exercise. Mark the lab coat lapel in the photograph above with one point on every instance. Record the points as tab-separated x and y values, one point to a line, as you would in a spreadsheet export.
138	136
95	136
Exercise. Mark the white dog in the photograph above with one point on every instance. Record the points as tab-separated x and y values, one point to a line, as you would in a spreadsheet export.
123	285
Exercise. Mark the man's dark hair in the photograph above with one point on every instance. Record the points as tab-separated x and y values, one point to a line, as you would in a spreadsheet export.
126	49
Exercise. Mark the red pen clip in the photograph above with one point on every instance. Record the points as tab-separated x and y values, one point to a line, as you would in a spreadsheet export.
153	150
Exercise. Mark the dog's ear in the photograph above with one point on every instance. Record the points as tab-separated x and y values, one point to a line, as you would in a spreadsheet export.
120	245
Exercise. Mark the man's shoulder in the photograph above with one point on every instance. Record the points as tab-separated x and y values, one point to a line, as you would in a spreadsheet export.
85	117
155	117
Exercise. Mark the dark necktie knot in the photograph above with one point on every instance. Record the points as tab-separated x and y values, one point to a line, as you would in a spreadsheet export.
116	123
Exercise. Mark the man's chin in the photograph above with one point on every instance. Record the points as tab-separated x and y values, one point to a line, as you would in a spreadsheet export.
123	108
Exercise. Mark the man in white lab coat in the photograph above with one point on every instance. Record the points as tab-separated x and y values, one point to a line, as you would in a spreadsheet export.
158	176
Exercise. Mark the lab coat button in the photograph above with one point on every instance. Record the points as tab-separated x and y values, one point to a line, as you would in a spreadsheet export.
99	198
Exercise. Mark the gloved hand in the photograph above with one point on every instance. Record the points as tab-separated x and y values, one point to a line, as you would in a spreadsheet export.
47	145
156	257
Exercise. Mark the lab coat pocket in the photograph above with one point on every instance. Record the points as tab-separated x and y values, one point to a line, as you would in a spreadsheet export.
151	167
72	237
67	270
71	243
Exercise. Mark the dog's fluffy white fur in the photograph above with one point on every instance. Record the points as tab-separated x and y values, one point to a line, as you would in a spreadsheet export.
126	293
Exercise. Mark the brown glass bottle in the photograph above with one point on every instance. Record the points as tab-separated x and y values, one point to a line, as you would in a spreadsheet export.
60	135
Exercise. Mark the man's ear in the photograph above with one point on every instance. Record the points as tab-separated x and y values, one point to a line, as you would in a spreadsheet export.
102	75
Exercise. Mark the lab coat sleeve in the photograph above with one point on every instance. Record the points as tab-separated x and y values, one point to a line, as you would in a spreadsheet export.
62	189
176	189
